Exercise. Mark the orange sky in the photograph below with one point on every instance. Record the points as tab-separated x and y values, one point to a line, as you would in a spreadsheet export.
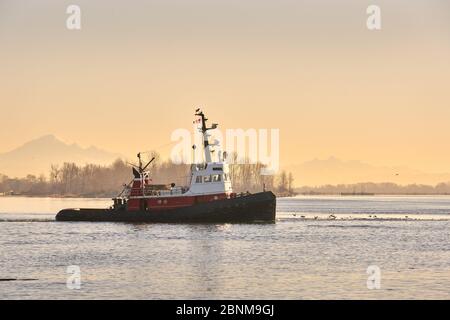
137	69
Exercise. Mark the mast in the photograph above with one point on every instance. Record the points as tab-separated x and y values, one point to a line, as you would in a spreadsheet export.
204	129
140	173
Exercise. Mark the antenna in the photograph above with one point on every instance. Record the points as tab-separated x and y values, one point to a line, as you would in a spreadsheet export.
193	153
145	167
204	130
140	161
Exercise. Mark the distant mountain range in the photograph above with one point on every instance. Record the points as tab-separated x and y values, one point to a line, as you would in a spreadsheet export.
336	171
36	156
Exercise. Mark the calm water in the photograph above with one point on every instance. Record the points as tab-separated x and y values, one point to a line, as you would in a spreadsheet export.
304	255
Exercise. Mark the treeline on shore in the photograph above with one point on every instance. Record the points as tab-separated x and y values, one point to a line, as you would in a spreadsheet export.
377	188
72	180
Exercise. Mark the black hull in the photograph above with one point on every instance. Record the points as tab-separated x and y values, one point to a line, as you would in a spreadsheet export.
258	207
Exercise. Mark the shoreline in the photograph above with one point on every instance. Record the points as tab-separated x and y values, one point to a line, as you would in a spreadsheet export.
52	196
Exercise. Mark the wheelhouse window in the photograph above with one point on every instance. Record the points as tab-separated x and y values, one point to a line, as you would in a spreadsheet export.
198	179
207	178
216	178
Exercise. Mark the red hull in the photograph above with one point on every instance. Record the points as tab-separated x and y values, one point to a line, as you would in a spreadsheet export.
172	202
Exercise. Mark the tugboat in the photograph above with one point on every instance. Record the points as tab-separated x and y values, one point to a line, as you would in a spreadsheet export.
208	199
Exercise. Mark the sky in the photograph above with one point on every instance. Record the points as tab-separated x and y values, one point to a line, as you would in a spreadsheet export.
136	71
